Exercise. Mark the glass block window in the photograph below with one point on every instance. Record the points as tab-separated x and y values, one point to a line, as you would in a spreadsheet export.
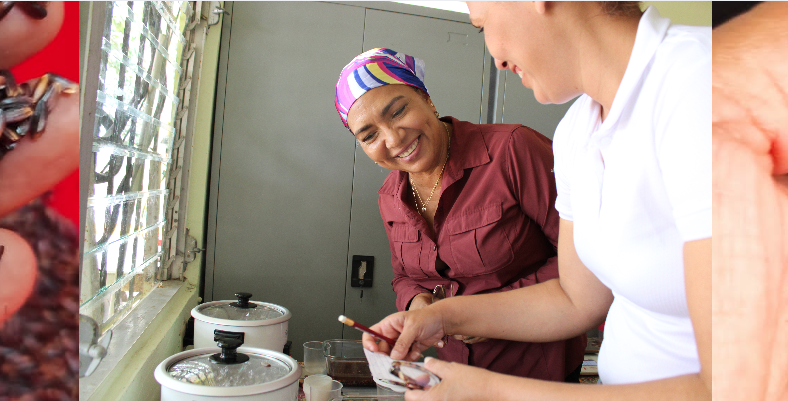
135	124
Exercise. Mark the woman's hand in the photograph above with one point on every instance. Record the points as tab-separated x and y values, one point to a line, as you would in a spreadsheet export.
34	166
470	340
750	189
420	301
458	382
427	299
414	331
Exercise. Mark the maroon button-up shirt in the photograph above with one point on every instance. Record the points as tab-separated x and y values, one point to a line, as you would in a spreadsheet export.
495	227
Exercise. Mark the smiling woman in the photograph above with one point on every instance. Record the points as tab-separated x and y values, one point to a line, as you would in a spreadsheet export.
466	206
422	153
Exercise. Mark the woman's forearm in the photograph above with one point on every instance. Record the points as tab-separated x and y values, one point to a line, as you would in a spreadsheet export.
553	310
537	313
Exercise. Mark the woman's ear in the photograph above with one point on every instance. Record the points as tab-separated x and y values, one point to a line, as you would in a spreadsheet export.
426	98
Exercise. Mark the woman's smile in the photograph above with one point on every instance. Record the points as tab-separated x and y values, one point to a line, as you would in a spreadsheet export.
409	151
517	70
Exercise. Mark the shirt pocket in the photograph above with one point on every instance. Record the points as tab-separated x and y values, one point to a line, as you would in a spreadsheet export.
479	243
406	244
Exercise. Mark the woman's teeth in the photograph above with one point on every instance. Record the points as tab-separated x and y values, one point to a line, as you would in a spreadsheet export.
409	150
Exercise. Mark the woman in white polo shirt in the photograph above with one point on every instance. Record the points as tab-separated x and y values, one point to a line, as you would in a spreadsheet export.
633	175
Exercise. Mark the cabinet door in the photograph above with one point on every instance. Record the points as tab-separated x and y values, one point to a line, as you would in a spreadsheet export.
285	163
454	75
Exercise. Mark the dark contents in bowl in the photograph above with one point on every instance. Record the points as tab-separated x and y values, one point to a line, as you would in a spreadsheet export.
38	345
350	372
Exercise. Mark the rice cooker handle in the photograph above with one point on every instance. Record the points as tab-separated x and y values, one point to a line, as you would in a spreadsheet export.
229	341
243	301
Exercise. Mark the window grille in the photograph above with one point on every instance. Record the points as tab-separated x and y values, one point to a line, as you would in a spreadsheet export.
139	108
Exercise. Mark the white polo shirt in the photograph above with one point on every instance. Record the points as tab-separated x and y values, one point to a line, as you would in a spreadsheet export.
637	187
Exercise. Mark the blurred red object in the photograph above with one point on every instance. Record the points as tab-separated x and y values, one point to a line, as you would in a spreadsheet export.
61	57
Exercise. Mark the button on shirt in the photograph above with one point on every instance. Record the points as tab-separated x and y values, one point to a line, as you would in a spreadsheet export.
496	229
637	187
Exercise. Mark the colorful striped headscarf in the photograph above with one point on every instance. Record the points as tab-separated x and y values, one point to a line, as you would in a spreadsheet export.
374	68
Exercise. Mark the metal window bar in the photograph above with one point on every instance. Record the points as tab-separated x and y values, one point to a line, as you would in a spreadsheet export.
191	60
130	101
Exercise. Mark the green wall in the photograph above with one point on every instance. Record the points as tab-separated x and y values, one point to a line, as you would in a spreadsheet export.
683	12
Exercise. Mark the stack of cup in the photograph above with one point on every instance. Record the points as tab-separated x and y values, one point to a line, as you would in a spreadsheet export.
317	385
321	388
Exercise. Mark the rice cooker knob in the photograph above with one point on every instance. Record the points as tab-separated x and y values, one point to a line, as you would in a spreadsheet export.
243	301
229	341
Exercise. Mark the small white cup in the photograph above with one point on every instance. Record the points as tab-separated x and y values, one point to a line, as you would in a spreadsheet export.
314	381
326	391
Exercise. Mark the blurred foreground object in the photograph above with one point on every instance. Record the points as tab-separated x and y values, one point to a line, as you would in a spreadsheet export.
38	345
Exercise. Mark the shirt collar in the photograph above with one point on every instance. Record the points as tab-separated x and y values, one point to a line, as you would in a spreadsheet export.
652	29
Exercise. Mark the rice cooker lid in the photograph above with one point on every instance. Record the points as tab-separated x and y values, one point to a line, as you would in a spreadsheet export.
243	310
207	371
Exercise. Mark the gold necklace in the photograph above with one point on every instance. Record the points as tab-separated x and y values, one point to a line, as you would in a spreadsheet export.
416	196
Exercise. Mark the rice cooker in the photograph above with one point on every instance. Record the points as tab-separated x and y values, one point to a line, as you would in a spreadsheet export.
263	324
237	374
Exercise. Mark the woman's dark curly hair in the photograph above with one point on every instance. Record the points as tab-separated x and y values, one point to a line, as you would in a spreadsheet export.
621	8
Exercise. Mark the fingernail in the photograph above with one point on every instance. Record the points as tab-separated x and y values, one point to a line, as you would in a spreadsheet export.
427	359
